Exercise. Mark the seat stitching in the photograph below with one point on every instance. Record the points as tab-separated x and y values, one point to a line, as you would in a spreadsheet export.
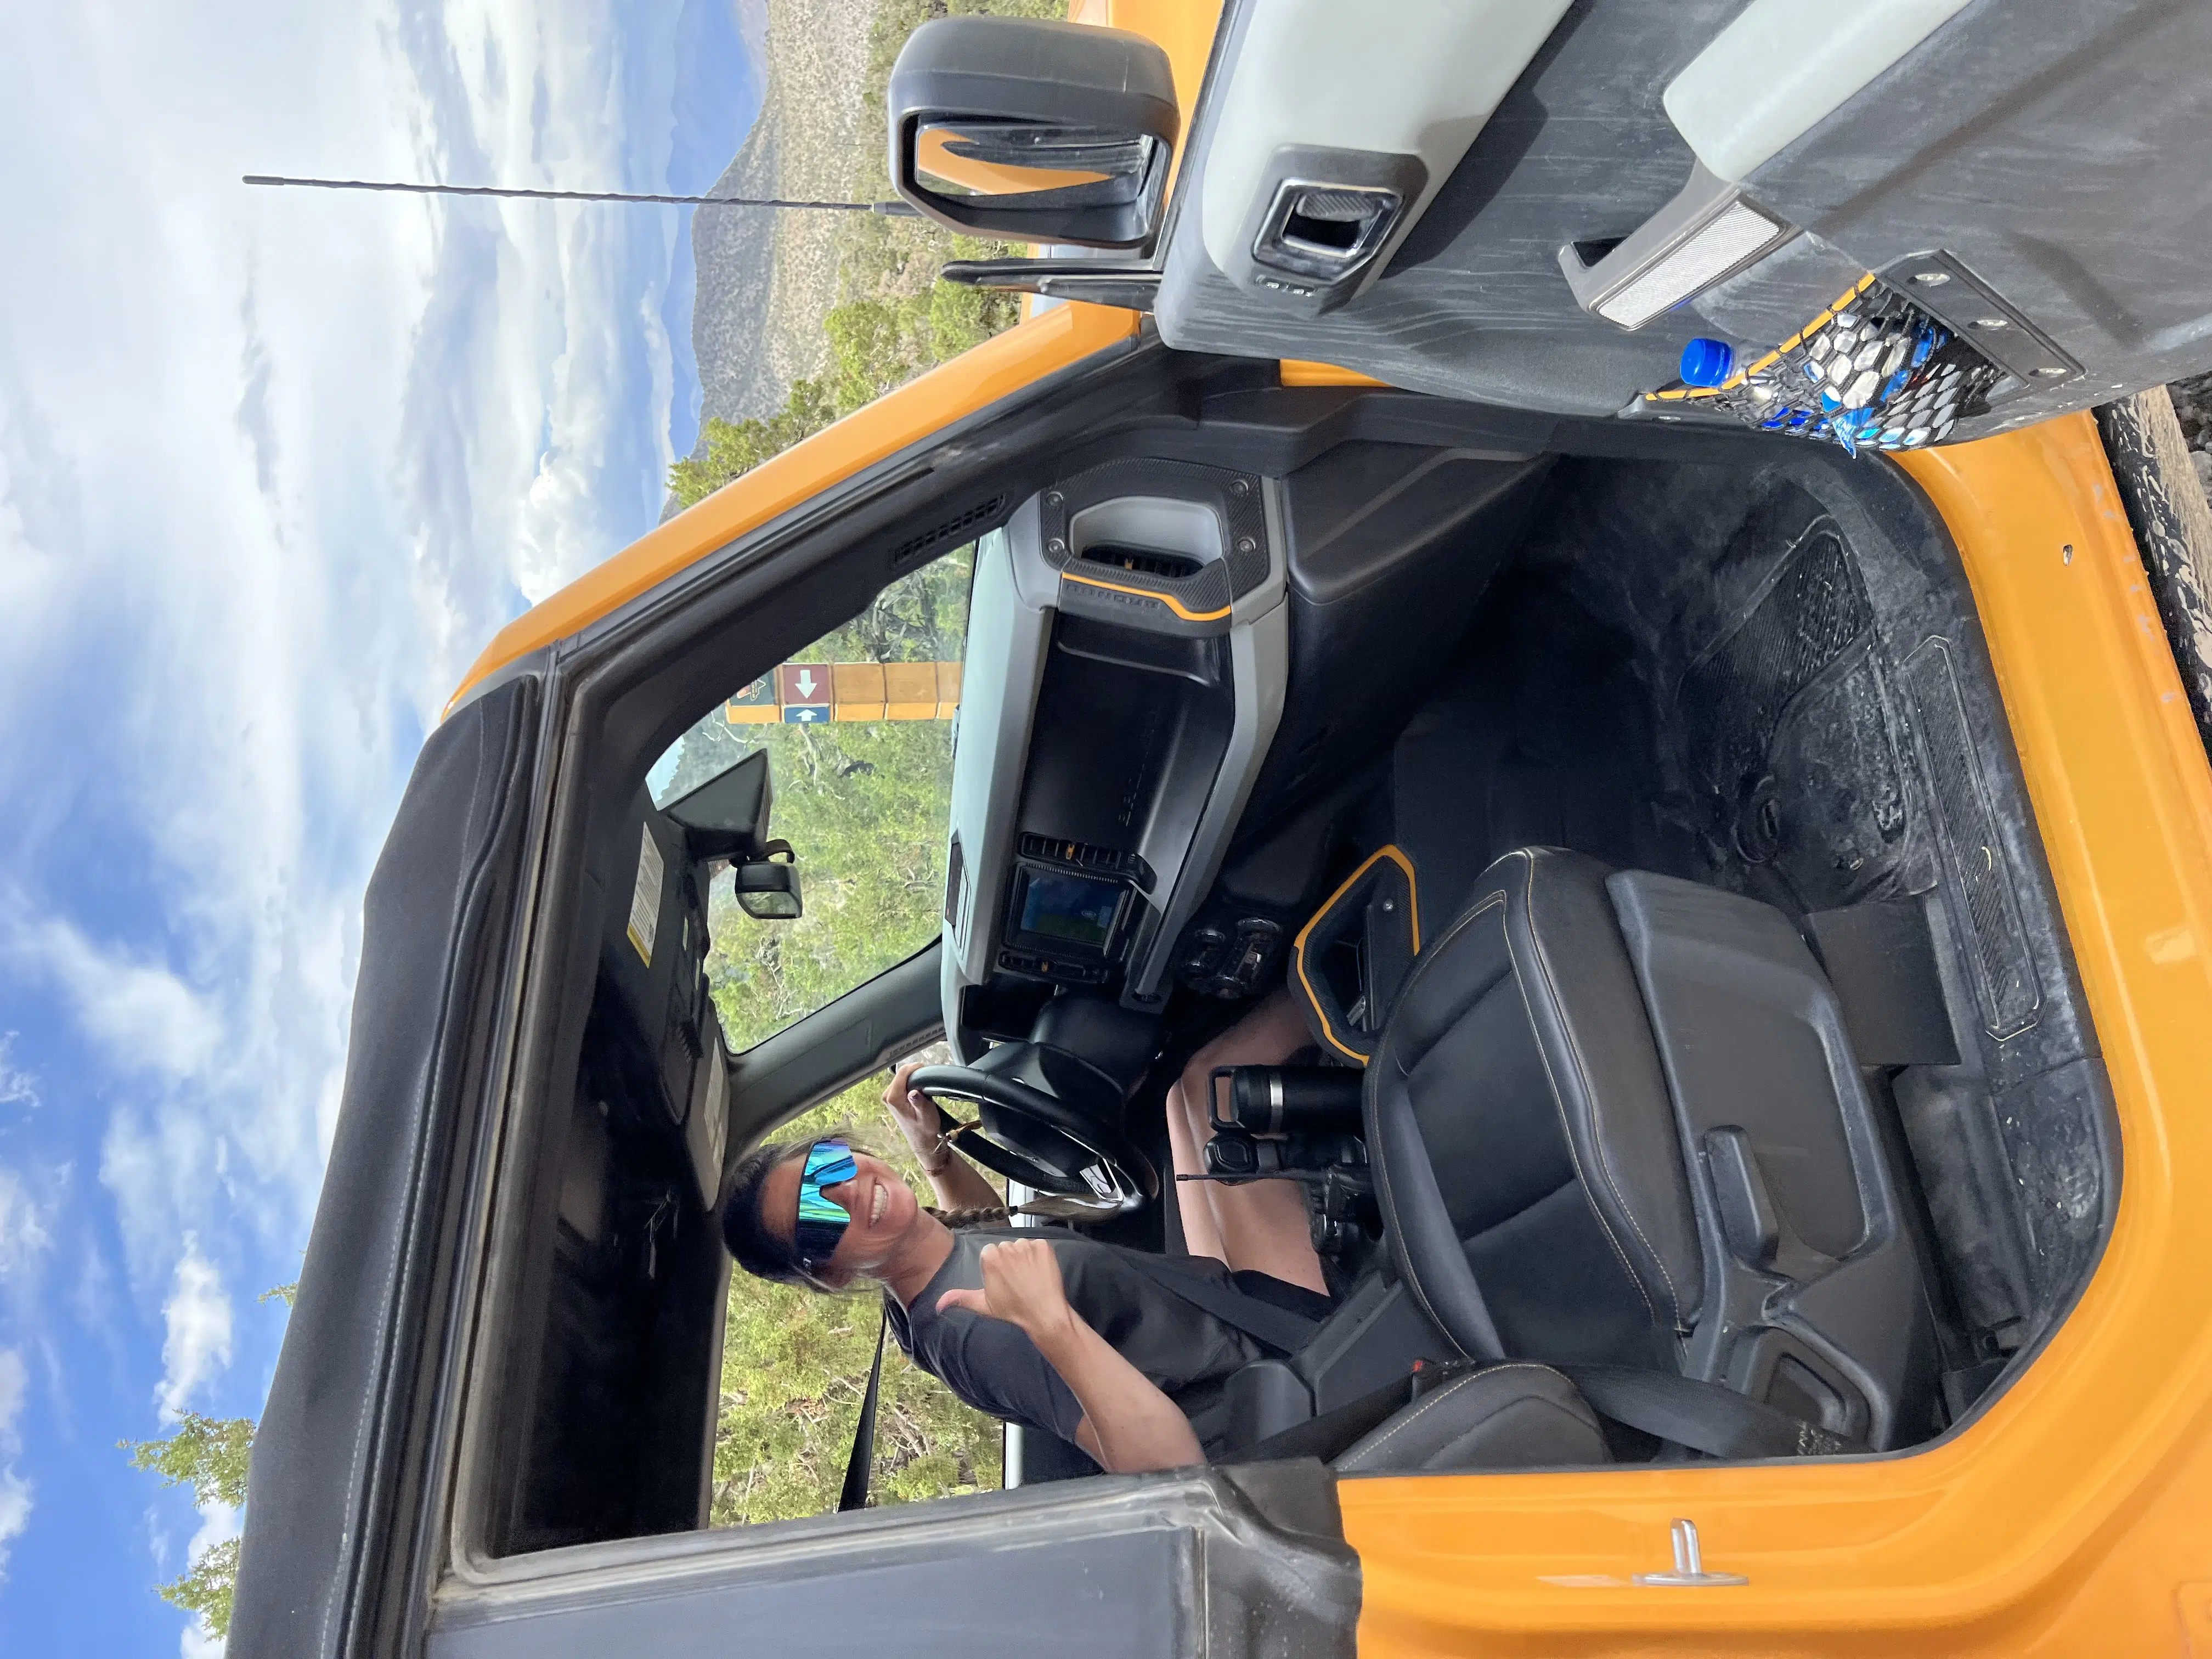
1559	1102
1390	1221
1498	896
1543	961
1452	1387
1560	1105
1413	1278
1382	1174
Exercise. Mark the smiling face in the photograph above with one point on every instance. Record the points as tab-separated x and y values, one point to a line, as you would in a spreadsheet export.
881	1206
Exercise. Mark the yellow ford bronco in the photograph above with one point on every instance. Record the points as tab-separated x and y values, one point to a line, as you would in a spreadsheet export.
1608	553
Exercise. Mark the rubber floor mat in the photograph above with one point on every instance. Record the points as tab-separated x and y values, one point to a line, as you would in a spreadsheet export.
2004	971
1788	738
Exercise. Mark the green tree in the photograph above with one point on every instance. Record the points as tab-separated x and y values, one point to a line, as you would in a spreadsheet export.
877	342
209	1454
736	447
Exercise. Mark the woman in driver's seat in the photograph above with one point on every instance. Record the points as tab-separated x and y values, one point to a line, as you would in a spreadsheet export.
1055	1331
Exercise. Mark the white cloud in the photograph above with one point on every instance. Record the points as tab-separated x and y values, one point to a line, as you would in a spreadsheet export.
26	1224
198	1316
15	1382
24	1236
143	1015
274	466
195	1643
14	1513
17	1087
263	506
14	1491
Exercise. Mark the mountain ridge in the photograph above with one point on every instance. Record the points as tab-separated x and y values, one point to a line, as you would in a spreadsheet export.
766	278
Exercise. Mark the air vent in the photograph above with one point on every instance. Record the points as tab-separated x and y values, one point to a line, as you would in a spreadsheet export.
1171	566
1105	861
916	549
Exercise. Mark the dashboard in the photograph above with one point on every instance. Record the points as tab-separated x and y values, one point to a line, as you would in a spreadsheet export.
1127	653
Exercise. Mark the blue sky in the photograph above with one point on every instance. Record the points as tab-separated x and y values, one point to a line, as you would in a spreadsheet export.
273	465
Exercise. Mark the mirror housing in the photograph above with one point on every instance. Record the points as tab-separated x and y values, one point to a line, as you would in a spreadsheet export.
727	817
768	890
1034	131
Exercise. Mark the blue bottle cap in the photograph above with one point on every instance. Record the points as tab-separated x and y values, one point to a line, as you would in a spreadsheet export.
1707	362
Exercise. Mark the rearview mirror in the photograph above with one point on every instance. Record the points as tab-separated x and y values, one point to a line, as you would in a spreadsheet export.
1034	131
767	890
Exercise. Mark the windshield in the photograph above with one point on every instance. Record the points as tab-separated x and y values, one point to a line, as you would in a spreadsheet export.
858	730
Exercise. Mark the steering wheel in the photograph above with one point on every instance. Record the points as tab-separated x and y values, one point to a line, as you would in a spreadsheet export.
1028	1135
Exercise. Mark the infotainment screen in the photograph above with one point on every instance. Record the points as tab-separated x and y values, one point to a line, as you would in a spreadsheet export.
1077	911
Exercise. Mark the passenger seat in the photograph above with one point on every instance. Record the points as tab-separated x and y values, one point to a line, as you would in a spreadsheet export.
1615	1121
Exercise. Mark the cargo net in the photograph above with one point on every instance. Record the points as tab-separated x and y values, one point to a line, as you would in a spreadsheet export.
1872	371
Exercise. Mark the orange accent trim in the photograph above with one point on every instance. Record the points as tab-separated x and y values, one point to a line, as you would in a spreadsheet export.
2070	1516
1167	600
1184	29
1297	372
1298	945
932	155
1676	394
998	369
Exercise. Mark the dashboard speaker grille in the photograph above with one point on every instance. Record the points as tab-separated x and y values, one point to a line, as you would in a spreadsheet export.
928	544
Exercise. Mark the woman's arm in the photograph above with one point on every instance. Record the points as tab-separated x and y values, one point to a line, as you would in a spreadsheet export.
952	1177
1128	1425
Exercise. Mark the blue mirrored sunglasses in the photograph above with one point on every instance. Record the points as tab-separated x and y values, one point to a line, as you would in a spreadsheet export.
821	1219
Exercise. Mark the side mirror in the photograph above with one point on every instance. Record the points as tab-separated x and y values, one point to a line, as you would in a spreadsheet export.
1034	131
767	890
727	817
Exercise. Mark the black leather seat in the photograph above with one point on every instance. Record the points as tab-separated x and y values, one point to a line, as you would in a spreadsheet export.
1614	1120
1508	1416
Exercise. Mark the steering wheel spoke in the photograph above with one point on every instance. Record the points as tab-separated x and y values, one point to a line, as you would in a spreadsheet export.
1036	1138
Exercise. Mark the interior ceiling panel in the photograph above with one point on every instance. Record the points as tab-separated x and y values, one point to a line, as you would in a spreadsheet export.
2062	152
1473	304
2057	150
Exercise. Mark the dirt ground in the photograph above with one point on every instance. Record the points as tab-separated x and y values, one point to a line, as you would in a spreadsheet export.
2192	402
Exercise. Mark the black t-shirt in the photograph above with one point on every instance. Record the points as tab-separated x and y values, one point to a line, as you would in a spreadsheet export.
994	1367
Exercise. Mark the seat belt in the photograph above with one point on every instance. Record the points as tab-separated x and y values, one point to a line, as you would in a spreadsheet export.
1704	1416
861	1463
1263	1321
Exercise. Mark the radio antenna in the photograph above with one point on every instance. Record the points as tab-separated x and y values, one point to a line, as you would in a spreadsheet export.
897	208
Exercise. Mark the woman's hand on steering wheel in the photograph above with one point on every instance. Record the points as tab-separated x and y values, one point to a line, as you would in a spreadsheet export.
917	1116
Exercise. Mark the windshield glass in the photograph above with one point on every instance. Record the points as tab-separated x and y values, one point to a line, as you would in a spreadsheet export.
858	730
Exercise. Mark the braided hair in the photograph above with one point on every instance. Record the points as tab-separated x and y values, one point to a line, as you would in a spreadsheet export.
980	1215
